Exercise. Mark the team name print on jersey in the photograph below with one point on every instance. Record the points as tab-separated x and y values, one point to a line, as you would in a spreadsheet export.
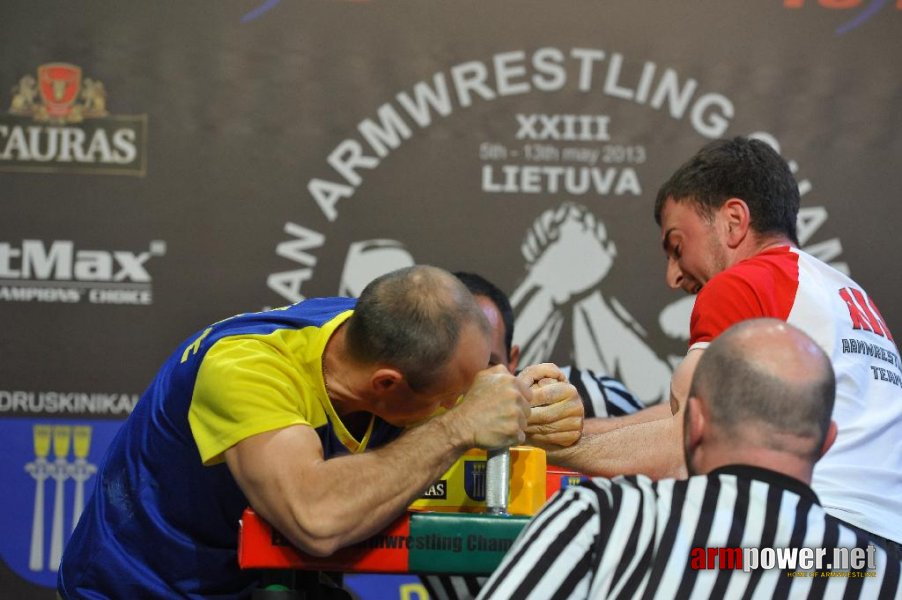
864	313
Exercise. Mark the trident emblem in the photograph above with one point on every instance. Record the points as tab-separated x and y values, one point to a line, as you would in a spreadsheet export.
60	472
40	471
81	470
61	437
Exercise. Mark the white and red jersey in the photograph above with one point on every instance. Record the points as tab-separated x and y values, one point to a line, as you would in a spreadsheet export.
859	480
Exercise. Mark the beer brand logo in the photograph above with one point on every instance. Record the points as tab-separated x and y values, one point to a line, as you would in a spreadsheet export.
59	95
58	122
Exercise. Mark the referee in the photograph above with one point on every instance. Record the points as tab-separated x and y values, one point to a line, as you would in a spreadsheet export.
757	419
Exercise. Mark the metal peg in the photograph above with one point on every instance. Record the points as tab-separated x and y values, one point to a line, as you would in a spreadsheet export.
498	479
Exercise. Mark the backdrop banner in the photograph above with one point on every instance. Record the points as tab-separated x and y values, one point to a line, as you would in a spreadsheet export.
166	164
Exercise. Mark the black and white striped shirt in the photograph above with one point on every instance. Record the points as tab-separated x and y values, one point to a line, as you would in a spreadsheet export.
602	396
631	537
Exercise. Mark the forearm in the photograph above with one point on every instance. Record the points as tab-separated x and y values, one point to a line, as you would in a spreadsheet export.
648	442
606	424
363	493
328	504
652	448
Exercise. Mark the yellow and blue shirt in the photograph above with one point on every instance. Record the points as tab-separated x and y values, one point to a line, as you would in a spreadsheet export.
163	518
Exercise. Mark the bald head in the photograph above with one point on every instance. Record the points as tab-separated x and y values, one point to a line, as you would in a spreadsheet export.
411	319
767	383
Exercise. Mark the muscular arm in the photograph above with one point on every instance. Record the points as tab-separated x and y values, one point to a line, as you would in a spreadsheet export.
653	448
648	442
322	505
606	424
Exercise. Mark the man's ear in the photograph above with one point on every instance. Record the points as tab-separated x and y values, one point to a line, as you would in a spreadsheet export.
696	422
514	359
738	219
386	379
829	438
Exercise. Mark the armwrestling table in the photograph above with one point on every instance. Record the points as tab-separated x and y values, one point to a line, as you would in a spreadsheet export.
446	531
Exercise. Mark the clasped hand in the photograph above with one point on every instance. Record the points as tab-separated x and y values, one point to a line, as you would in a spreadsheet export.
538	406
557	412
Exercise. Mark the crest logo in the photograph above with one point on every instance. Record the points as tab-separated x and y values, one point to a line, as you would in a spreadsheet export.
572	480
59	95
49	473
58	121
60	85
474	479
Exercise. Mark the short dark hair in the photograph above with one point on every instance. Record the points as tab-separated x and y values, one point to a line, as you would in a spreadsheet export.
411	319
741	392
743	168
480	286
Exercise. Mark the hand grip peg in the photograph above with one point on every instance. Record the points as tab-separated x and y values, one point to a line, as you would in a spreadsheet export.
498	481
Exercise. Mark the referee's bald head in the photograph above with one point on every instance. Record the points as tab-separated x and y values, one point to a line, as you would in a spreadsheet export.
767	383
